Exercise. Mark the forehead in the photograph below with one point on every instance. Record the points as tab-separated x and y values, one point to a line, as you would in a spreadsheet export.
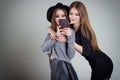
73	10
59	11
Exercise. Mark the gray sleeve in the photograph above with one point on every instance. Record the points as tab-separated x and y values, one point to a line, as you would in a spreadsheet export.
71	49
47	44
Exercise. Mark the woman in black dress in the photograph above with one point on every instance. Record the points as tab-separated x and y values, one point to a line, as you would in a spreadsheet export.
86	43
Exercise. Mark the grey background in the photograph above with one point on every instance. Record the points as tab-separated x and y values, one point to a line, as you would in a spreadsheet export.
23	27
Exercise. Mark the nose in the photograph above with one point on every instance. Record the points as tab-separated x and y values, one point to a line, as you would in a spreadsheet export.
72	16
61	18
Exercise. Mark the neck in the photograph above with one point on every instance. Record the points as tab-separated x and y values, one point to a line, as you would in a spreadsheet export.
76	26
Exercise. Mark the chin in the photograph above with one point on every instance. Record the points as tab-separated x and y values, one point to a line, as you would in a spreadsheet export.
72	22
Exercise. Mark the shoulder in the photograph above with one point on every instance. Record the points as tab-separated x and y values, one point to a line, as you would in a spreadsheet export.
49	27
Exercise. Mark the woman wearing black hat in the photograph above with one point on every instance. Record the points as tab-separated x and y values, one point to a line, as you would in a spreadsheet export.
60	53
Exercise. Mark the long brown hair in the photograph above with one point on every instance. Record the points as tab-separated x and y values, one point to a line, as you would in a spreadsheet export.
53	22
86	28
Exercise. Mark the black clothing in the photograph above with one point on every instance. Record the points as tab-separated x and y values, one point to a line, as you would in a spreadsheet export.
100	63
62	70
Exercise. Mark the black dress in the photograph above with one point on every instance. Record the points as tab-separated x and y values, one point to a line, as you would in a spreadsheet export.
100	63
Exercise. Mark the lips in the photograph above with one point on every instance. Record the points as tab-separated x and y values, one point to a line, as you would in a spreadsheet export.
72	20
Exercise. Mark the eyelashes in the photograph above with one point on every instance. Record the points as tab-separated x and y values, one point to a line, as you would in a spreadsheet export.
76	14
57	16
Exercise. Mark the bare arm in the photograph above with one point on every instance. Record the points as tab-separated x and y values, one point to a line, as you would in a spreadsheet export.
78	48
52	33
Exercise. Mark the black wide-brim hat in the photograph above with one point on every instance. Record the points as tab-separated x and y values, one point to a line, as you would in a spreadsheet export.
51	10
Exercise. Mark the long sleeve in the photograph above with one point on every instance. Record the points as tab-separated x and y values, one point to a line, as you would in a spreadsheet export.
84	42
70	48
47	44
87	47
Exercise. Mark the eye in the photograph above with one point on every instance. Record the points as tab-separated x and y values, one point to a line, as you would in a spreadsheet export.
63	15
57	16
70	13
77	14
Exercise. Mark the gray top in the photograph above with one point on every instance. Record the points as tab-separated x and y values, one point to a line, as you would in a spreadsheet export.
58	49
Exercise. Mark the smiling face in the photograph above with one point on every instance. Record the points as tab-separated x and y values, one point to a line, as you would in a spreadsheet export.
74	16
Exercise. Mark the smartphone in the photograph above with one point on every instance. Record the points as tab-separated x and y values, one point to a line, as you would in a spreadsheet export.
64	23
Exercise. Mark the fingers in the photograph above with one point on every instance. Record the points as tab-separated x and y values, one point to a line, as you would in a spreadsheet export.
66	28
53	36
66	31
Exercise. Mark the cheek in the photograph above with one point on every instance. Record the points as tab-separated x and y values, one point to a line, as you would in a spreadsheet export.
70	18
57	20
78	18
